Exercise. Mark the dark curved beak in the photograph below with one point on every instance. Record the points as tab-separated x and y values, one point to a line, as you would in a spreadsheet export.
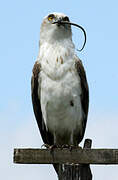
60	21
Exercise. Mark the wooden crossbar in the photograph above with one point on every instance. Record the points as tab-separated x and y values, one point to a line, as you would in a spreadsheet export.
76	156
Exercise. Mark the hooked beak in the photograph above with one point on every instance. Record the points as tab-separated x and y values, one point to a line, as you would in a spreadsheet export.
60	21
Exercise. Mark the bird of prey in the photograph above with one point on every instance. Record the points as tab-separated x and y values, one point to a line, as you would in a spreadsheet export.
60	94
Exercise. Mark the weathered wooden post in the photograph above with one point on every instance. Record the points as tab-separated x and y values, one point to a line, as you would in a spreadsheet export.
76	161
75	171
85	171
65	171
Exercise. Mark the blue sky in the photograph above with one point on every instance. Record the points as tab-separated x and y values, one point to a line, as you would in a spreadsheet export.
19	36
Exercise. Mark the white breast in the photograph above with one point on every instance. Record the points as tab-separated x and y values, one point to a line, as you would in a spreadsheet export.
60	93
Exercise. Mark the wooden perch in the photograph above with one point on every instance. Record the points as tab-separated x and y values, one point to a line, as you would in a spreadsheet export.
76	162
62	157
75	171
77	156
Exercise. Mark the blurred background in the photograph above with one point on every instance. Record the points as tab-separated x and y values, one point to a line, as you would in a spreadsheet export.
19	37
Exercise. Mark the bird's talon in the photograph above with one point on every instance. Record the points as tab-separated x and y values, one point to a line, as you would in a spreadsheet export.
53	147
46	146
71	147
65	146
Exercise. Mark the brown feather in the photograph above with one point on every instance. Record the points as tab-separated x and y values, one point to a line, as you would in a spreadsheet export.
85	93
46	136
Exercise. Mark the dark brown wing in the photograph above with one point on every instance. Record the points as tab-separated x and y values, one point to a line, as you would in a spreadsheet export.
85	93
46	136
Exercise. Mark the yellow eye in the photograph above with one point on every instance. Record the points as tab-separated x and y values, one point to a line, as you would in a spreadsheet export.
50	17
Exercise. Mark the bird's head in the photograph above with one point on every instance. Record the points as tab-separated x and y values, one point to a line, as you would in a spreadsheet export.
57	27
52	29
